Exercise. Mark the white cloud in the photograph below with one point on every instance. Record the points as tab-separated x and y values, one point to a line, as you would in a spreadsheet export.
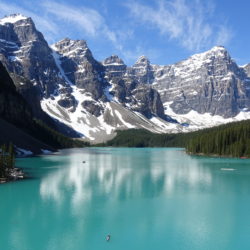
190	22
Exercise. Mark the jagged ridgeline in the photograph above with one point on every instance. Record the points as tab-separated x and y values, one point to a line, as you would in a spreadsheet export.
63	82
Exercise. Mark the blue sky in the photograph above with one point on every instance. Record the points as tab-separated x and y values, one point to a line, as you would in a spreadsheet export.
166	31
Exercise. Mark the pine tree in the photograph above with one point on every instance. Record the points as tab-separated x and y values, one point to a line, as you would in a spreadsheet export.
3	161
11	156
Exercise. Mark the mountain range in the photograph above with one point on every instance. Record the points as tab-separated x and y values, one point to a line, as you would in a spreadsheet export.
72	92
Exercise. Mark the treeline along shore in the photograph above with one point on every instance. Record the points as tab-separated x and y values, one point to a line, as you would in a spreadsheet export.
8	171
229	140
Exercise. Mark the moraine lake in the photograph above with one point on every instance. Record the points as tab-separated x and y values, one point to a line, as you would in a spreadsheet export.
150	198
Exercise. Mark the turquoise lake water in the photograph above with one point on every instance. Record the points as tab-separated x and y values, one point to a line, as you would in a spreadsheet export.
144	198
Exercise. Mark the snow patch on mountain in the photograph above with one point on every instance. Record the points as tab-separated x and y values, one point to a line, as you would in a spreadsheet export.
103	127
23	152
12	19
119	115
197	121
107	93
58	64
167	127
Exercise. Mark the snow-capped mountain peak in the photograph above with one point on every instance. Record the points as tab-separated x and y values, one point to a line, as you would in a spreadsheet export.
216	51
113	60
247	69
68	43
70	47
142	61
12	19
218	48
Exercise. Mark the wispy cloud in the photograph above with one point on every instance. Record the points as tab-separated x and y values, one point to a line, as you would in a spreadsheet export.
85	20
52	16
191	22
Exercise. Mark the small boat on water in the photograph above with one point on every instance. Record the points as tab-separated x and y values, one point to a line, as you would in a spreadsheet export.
108	237
228	169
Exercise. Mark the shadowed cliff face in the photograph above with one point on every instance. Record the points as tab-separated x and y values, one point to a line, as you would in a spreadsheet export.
13	107
16	118
18	123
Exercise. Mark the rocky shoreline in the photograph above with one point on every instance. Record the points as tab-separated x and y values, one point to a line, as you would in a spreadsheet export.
14	174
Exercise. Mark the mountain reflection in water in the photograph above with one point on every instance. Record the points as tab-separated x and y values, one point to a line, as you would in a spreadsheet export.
129	174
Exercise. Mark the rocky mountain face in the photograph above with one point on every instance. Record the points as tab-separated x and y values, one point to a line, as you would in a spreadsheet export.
247	69
96	98
22	47
210	82
79	66
128	85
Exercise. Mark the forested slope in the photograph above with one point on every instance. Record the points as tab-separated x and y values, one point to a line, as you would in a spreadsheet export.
144	138
232	140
